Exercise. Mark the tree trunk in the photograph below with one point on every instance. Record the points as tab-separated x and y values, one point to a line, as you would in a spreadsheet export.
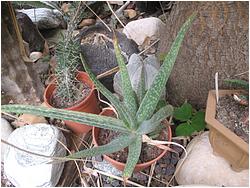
216	42
20	82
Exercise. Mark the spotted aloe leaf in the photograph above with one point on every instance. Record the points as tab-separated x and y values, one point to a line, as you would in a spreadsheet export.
79	117
114	146
149	102
141	86
127	90
123	113
150	125
133	157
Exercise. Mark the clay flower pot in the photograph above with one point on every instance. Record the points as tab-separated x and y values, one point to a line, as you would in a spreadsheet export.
223	141
119	165
89	104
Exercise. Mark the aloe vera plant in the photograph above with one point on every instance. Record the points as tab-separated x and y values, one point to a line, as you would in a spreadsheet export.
137	115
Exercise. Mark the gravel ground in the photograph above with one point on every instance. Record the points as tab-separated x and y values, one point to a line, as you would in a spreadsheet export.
234	115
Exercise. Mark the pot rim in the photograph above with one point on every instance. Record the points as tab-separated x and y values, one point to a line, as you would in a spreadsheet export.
52	84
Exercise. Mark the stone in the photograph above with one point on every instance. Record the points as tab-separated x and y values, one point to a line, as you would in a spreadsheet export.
100	56
27	170
207	168
106	167
34	56
6	130
139	30
45	18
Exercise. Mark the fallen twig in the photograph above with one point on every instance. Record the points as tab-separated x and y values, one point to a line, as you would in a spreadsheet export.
152	169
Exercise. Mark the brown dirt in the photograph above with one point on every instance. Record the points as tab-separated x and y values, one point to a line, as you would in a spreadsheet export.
59	102
234	116
148	152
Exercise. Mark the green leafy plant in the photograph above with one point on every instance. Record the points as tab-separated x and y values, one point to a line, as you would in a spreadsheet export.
136	114
190	121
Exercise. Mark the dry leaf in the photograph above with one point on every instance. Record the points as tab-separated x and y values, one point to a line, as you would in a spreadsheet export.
28	119
131	13
65	7
87	22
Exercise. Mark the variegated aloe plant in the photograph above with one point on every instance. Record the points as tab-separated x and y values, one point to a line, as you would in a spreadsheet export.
136	114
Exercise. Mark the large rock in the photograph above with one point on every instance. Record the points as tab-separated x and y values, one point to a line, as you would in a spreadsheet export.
27	170
45	18
6	130
203	167
98	51
139	30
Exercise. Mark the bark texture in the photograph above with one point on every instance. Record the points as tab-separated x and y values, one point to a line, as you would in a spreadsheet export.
216	42
19	80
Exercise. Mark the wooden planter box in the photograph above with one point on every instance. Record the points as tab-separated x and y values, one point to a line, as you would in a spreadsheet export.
224	142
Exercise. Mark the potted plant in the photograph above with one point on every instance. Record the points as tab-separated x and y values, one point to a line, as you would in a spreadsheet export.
71	89
227	125
148	158
137	114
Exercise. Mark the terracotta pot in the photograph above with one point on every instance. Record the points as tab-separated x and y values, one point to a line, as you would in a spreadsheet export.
223	141
90	104
119	165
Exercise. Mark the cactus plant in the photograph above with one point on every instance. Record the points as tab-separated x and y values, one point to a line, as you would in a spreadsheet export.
136	114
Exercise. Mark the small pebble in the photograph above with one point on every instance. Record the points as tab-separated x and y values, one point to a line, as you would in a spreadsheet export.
115	183
107	185
98	158
139	176
89	165
158	169
170	170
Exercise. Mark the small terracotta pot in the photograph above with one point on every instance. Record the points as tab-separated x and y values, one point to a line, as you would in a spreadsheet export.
119	165
89	105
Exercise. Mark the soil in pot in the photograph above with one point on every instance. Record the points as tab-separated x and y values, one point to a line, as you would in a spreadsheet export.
148	152
234	116
83	91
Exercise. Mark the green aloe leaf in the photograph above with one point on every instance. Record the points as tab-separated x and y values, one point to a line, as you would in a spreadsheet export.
141	87
133	157
184	112
184	129
160	104
238	83
198	121
79	117
114	146
153	95
149	126
121	109
127	90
